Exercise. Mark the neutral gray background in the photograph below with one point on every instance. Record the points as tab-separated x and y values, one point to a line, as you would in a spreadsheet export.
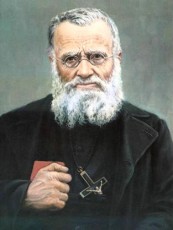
146	30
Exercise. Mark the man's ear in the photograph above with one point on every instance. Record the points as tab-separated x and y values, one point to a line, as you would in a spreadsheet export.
50	53
119	56
50	58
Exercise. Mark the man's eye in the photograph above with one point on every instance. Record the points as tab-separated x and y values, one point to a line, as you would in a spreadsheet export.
97	58
71	59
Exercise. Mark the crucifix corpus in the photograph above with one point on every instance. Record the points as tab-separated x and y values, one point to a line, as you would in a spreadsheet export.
95	187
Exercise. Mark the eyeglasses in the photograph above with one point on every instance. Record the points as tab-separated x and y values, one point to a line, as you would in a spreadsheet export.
72	61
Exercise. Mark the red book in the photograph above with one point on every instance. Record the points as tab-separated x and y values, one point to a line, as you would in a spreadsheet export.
41	164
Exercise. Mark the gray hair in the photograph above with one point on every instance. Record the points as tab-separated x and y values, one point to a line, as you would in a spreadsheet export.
82	17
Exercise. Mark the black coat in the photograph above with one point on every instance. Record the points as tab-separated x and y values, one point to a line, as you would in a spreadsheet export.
143	189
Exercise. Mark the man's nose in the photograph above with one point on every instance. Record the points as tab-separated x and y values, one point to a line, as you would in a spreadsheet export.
85	69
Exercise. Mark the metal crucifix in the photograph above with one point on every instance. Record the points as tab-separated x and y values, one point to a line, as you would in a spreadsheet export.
95	187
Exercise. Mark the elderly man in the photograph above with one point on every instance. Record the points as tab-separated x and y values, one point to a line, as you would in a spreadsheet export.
82	157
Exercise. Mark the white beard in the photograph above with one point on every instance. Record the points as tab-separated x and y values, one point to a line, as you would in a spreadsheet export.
73	106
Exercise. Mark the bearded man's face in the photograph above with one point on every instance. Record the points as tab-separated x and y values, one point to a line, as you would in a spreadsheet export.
87	86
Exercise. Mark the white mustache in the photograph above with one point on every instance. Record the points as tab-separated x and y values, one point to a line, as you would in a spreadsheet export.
92	80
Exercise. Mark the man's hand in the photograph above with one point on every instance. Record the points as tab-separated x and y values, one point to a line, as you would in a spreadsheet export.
49	189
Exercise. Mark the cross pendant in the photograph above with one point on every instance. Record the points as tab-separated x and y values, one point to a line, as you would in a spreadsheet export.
95	187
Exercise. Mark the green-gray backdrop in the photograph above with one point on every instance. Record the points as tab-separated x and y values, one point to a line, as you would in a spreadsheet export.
146	30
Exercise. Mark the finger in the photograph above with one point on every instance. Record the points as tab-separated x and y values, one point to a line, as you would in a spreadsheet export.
63	177
63	196
55	204
55	167
54	194
61	187
59	204
60	162
59	176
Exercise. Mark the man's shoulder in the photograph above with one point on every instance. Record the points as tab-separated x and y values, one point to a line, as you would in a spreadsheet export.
135	110
30	111
141	115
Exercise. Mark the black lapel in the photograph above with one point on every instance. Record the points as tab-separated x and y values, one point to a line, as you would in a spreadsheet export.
137	137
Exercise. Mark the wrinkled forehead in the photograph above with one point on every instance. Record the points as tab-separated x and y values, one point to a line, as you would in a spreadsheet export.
95	36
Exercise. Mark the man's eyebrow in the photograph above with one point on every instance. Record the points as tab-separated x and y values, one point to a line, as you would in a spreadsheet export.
96	52
70	53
